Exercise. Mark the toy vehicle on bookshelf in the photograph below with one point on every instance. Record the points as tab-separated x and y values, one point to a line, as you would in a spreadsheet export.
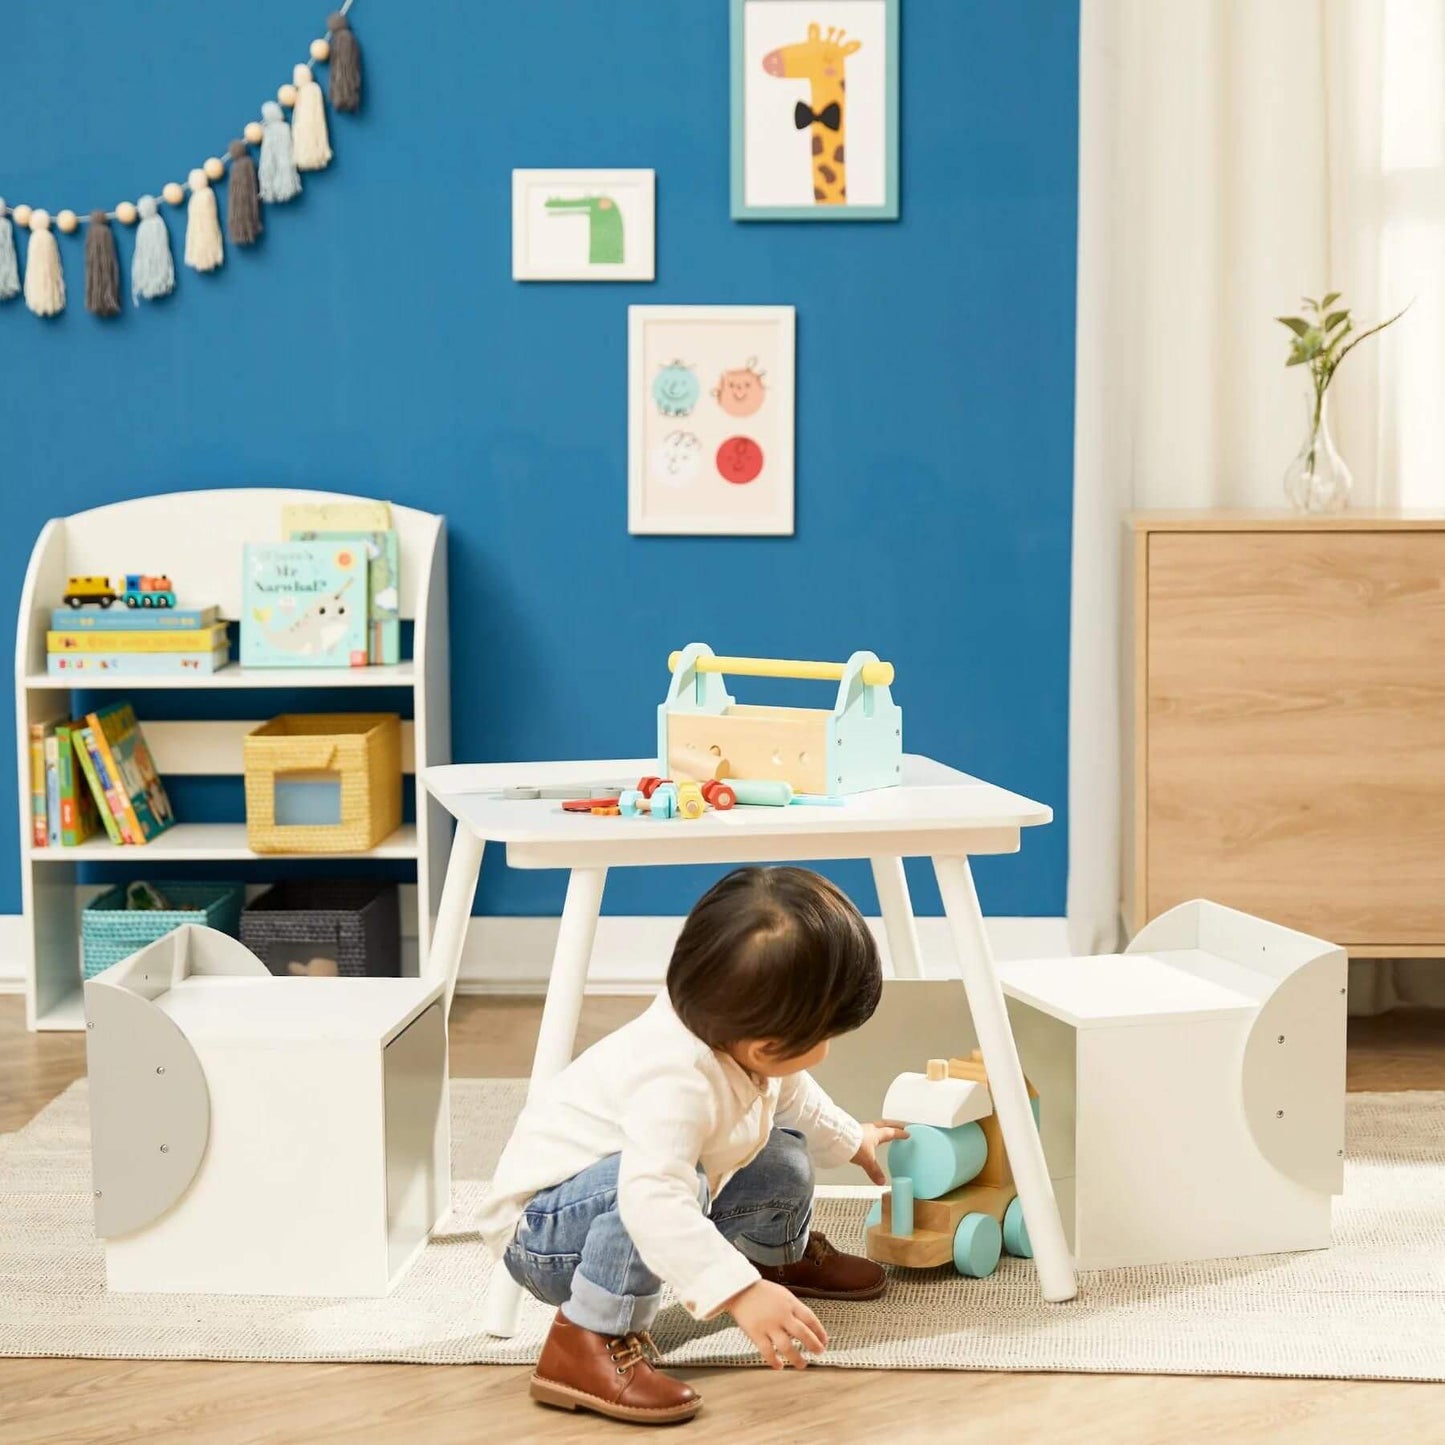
66	563
139	589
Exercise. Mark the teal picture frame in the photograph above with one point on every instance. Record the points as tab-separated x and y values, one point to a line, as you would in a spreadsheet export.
741	211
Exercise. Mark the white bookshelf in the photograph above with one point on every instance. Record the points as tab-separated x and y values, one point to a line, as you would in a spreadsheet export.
196	538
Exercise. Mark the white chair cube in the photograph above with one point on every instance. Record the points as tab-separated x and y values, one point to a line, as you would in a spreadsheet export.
253	1134
1191	1089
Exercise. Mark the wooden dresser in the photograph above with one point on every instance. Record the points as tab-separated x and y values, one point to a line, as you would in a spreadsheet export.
1288	723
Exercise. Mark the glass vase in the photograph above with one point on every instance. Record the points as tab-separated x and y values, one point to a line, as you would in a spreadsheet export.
1318	480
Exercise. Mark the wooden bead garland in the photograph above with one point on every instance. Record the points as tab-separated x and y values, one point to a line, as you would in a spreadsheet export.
284	149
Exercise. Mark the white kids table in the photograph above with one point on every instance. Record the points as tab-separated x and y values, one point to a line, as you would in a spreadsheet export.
936	812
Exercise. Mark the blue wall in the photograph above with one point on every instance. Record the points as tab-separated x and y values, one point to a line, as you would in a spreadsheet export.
376	343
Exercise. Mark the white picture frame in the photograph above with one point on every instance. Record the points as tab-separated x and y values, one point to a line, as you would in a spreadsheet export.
710	420
556	236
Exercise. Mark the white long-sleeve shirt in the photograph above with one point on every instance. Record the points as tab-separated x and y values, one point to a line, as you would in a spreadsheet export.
654	1093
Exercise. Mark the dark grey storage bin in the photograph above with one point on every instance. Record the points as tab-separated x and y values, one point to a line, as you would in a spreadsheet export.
303	927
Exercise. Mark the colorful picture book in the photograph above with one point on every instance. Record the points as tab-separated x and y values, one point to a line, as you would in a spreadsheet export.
62	810
383	556
119	619
117	763
39	802
304	604
203	639
52	791
137	664
78	816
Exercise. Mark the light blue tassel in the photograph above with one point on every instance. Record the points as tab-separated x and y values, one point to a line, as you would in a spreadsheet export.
152	271
279	178
9	266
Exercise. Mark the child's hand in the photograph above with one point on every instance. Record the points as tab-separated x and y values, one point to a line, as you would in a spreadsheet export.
777	1322
874	1137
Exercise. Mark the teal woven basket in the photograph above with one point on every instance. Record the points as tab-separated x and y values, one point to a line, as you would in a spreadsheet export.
109	931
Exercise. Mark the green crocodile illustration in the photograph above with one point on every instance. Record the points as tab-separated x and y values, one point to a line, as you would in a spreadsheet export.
604	222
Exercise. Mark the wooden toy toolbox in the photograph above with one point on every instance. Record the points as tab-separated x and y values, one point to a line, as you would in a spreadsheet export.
852	748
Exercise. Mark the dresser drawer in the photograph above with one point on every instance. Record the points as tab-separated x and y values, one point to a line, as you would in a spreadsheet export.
1292	714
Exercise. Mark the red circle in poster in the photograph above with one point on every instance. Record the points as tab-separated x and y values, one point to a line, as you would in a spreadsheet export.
739	459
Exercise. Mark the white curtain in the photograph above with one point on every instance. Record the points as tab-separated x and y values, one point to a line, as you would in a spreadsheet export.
1235	155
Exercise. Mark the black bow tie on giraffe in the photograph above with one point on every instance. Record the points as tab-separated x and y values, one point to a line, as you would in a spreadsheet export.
831	115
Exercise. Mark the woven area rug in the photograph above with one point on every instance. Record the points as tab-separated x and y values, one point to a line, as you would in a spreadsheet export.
1372	1307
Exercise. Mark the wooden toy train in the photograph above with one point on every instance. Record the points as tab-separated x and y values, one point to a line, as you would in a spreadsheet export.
952	1197
140	590
704	733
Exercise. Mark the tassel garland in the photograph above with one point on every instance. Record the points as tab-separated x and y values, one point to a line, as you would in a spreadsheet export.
9	265
152	272
310	145
102	268
44	280
344	64
204	250
243	202
279	180
264	166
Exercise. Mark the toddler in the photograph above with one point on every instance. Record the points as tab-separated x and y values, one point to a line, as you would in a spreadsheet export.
677	1151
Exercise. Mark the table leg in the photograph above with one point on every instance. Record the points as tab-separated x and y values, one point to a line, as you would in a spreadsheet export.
897	908
566	986
454	911
1005	1079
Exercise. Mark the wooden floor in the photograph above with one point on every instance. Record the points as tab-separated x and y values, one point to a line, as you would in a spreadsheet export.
95	1401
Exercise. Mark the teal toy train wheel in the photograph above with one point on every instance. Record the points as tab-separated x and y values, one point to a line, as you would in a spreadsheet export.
977	1244
1016	1232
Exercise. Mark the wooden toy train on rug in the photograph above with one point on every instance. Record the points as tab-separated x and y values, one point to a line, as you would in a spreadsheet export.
952	1196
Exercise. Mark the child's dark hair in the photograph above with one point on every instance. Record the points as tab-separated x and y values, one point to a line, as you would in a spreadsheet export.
774	953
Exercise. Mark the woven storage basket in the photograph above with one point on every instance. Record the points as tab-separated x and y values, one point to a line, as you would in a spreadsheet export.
357	925
362	750
109	931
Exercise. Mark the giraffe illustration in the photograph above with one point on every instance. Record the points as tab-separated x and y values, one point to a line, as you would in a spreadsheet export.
604	221
819	60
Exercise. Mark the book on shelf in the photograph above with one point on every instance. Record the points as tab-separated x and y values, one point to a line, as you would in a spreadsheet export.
39	803
304	605
123	762
124	619
106	802
78	817
136	664
383	576
206	639
52	790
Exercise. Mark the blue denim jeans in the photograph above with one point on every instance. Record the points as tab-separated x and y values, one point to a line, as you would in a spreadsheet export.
570	1249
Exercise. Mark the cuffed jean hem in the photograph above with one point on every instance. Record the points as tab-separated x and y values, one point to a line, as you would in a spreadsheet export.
605	1313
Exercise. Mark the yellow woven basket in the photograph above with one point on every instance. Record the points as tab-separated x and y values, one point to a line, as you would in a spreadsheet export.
360	751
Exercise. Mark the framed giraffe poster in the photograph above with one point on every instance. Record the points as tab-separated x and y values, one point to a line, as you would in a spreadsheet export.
710	420
815	110
582	225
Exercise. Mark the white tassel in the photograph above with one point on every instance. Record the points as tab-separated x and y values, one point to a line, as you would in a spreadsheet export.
204	249
44	280
310	143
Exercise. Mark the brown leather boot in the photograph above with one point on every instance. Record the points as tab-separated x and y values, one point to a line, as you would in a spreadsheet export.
826	1273
582	1370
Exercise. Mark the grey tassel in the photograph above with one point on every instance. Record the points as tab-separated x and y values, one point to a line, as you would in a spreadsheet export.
280	180
243	202
343	65
152	270
9	264
102	269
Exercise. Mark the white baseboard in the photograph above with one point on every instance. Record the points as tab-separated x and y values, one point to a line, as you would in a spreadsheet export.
514	955
12	953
